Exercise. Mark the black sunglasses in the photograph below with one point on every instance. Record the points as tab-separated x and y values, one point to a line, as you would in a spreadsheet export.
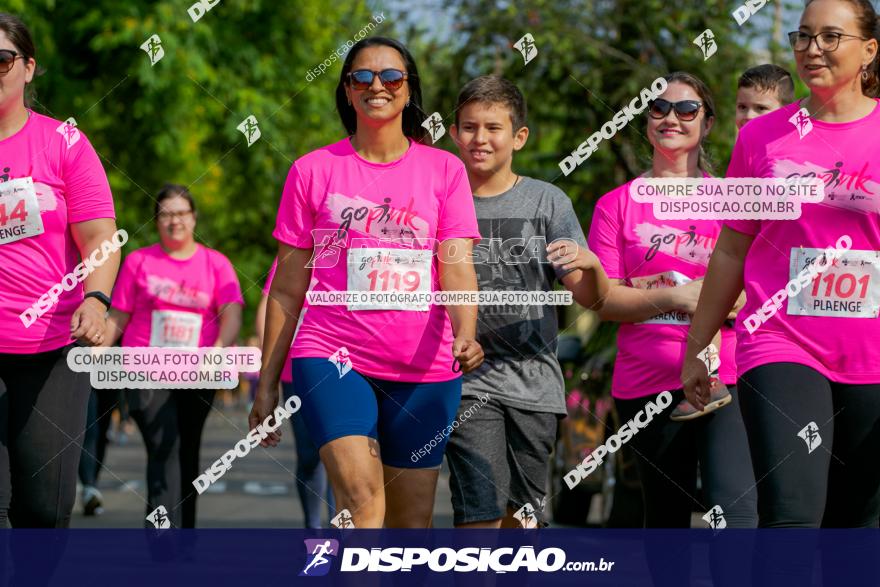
7	60
391	79
685	110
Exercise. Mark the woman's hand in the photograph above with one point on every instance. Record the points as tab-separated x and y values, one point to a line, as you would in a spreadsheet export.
468	352
88	324
686	296
695	380
264	405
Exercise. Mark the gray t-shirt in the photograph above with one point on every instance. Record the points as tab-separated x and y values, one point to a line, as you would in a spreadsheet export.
520	368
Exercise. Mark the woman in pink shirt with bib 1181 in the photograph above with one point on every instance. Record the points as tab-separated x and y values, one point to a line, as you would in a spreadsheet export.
176	293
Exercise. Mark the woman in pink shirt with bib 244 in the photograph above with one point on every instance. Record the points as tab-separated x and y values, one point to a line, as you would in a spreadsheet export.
59	254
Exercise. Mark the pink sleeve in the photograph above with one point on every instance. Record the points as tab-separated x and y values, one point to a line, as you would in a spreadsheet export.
87	190
226	287
124	290
295	220
457	218
605	236
270	277
740	166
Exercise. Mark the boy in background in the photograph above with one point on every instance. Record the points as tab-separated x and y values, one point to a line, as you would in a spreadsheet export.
760	90
499	452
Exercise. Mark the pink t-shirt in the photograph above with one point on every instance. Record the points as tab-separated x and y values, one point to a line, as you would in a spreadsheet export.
286	372
647	253
845	346
352	203
69	186
174	302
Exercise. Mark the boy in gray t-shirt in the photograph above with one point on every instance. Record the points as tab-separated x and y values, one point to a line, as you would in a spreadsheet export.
499	452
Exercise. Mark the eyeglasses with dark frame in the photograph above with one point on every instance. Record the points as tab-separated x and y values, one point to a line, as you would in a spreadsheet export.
166	216
391	79
827	41
685	110
7	60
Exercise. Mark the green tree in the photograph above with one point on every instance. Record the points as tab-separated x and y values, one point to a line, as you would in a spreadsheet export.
176	121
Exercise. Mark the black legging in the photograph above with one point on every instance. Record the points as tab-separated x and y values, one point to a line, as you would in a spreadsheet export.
667	456
42	422
837	485
803	489
171	423
668	453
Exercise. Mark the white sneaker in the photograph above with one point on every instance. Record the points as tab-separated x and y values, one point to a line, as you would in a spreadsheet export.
92	500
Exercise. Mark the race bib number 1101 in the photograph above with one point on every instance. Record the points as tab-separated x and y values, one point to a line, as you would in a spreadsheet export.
849	288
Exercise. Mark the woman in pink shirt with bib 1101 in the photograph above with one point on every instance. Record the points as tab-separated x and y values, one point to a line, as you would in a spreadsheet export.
808	338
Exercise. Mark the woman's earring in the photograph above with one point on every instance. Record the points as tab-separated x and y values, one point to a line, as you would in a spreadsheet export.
407	102
864	73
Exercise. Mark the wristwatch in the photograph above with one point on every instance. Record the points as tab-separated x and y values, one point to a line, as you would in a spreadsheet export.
100	296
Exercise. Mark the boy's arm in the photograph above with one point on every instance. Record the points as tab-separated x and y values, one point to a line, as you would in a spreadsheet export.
577	268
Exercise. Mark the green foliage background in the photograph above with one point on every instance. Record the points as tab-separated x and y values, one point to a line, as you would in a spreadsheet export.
176	121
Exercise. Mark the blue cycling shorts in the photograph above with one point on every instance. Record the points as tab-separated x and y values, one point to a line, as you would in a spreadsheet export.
411	421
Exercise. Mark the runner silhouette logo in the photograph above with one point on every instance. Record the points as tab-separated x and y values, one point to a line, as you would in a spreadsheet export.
526	516
802	122
159	518
810	435
434	125
319	554
343	520
526	46
342	360
715	518
706	42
